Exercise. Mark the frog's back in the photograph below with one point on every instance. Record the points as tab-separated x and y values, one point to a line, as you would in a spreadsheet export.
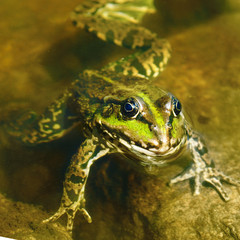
92	87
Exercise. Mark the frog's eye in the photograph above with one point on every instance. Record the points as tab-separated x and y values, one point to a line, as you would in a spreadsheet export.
177	107
130	108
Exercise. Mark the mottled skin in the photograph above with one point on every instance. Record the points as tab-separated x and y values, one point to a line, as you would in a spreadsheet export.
120	110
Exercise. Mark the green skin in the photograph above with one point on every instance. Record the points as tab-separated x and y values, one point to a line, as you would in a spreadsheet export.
120	111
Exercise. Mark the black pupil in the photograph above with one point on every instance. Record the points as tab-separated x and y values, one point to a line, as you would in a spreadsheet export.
130	108
177	107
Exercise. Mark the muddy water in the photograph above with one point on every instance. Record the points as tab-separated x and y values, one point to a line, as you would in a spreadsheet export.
41	53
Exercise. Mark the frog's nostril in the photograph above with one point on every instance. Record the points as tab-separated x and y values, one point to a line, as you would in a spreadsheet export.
154	128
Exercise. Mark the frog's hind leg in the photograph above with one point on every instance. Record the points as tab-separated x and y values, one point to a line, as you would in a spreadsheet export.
118	22
150	59
52	124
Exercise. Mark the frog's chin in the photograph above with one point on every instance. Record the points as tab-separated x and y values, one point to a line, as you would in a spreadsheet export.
155	156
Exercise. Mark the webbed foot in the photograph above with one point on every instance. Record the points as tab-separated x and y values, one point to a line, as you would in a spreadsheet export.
70	211
206	174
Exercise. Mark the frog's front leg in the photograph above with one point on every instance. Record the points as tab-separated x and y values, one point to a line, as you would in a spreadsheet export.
75	181
202	169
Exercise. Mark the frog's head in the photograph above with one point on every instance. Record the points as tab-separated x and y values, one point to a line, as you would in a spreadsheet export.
150	129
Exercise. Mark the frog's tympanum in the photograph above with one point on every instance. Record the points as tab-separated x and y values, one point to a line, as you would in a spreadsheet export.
120	110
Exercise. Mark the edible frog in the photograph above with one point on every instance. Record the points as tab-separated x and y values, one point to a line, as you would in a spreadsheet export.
120	110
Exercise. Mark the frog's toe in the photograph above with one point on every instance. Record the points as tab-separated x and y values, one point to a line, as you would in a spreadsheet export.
55	216
70	212
207	174
225	178
214	177
71	216
86	215
186	174
58	214
214	181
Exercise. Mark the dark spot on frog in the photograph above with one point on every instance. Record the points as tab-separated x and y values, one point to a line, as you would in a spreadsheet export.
72	196
74	23
119	69
110	36
129	39
158	59
77	179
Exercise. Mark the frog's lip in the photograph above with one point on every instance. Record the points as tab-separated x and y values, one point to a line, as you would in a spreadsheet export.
154	152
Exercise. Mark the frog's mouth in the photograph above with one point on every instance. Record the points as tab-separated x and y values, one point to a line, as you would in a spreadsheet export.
154	155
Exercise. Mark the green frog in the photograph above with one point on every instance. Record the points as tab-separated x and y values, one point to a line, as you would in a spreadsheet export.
120	110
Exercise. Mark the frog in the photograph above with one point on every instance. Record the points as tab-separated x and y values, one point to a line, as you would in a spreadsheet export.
120	110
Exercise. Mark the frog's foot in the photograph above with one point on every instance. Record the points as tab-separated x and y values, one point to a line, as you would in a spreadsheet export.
206	174
71	212
18	127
